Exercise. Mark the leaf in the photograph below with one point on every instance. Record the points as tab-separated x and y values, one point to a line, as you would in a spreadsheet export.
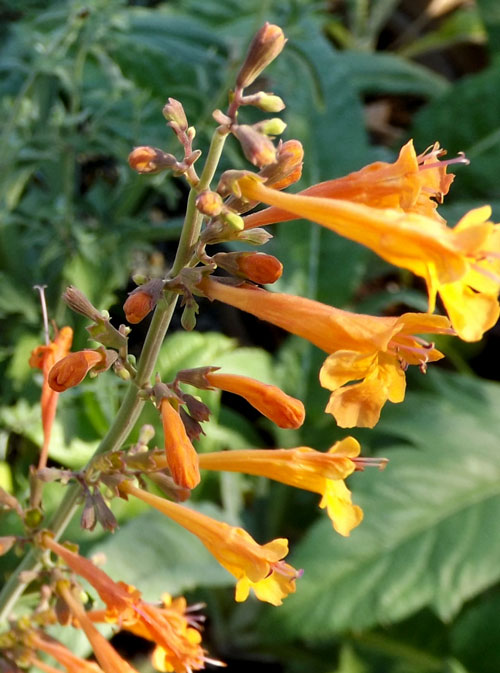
490	13
389	73
429	534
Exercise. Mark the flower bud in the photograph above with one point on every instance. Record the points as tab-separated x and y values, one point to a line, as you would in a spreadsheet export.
270	127
182	459
142	300
79	303
267	102
173	112
257	147
233	220
255	266
284	410
151	160
267	44
209	203
255	236
188	317
288	166
72	369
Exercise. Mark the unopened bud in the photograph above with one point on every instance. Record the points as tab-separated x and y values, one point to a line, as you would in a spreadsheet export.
79	303
142	300
146	434
173	111
255	236
197	409
257	147
270	127
255	266
72	369
267	44
288	166
188	317
233	220
192	427
209	203
267	102
150	160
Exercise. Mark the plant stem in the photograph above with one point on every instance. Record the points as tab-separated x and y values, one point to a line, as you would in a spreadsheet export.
132	402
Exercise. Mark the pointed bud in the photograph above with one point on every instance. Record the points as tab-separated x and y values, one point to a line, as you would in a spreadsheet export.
256	146
142	300
270	127
79	303
209	203
188	317
151	160
267	102
182	458
255	266
267	44
255	236
173	112
284	410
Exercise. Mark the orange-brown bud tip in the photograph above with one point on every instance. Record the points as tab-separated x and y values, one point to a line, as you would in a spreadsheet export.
256	146
266	45
150	160
288	166
209	203
182	459
255	266
142	301
72	369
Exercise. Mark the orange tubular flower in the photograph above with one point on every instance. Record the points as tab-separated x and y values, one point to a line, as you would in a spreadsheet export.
413	184
273	403
72	369
72	663
462	264
182	458
304	468
108	658
255	566
178	643
375	350
44	358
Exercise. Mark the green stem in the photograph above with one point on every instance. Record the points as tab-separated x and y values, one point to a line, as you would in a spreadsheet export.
132	403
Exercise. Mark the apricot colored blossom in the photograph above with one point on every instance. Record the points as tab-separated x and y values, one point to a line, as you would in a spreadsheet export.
182	459
304	468
178	643
373	350
44	357
257	567
271	401
461	264
109	659
72	369
413	184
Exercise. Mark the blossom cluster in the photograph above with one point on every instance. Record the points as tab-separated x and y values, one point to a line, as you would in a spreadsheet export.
391	208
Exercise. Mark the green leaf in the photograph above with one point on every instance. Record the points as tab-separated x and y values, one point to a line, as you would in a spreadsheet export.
429	534
490	13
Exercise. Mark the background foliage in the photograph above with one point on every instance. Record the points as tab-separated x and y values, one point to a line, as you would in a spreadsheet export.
416	588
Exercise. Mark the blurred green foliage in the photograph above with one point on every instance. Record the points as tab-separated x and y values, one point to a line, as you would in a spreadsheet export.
416	588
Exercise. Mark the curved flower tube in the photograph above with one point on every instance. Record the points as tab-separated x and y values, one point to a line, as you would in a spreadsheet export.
255	566
373	350
462	264
304	468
